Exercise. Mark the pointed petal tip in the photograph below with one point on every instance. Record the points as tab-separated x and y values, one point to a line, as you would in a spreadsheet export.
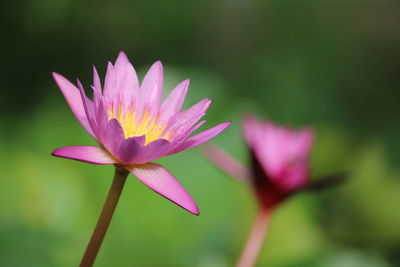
78	82
122	54
58	78
54	152
158	64
196	211
209	102
185	84
162	182
55	74
206	102
88	154
193	209
227	123
95	69
190	207
222	126
122	57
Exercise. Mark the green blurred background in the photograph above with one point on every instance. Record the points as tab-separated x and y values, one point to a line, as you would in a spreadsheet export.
330	64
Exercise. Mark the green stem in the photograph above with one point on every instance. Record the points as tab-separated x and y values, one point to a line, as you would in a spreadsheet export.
105	217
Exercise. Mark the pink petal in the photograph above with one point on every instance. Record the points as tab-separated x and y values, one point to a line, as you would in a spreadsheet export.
187	118
127	84
96	80
109	83
89	154
184	136
152	151
74	100
295	177
173	102
100	113
283	152
226	162
131	148
152	88
89	110
201	137
305	141
113	136
161	181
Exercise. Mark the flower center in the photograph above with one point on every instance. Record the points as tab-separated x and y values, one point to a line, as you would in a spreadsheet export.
147	125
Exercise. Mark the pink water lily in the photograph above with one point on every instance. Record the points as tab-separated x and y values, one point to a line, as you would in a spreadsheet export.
134	127
279	159
279	167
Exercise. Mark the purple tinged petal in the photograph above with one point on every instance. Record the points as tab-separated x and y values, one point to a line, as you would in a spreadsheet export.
113	136
152	151
74	100
89	154
184	136
295	177
226	162
131	148
173	102
100	115
161	181
201	137
89	110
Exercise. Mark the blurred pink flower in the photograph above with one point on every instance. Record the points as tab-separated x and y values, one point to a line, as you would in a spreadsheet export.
279	167
279	159
133	127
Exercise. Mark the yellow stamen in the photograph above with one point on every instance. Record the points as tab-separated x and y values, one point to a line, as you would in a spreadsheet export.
147	126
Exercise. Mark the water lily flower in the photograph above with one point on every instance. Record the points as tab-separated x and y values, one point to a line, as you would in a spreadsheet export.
133	127
279	168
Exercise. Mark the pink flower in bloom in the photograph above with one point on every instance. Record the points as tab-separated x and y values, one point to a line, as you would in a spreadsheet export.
133	126
279	159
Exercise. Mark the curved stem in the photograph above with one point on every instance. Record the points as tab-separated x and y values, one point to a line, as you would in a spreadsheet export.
255	239
105	217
